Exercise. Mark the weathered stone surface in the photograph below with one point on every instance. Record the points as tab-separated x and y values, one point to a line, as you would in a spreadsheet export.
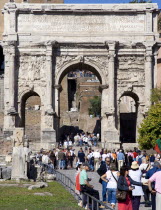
116	41
38	185
6	173
44	194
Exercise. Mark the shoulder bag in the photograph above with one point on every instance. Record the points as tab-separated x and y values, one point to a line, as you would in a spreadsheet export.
120	194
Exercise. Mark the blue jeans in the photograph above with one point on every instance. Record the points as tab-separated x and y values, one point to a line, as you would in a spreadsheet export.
111	195
104	190
61	164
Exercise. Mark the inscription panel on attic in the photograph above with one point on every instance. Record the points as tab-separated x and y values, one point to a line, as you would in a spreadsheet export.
79	23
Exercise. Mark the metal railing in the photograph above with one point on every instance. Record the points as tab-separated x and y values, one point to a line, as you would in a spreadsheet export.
70	186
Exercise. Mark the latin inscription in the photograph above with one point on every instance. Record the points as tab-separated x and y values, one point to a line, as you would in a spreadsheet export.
80	23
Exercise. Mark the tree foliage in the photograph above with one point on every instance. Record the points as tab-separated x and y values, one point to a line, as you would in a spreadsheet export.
156	95
95	106
150	129
140	1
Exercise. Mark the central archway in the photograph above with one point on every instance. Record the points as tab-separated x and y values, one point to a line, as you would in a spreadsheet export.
82	82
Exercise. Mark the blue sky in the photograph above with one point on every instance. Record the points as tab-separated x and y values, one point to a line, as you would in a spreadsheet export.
104	2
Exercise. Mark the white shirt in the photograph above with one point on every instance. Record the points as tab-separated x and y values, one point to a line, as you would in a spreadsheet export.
96	155
143	166
45	159
136	176
104	157
112	182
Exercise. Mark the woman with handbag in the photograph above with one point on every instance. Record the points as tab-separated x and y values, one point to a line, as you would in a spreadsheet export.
136	175
124	186
111	177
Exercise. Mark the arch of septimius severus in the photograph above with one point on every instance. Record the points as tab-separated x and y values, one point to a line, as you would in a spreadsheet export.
118	42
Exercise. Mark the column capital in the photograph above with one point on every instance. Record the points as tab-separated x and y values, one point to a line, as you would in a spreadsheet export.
111	45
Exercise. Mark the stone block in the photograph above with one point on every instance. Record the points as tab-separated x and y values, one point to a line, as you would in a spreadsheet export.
6	173
38	185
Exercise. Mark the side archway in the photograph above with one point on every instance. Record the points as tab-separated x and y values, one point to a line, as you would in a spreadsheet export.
31	115
128	112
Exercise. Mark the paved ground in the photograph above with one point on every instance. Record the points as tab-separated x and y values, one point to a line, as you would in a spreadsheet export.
95	177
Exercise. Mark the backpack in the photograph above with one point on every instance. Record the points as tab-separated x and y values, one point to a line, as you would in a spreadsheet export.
140	160
130	158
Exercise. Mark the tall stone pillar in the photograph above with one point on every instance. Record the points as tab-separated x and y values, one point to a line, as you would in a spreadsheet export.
48	138
9	89
104	106
111	76
148	77
111	134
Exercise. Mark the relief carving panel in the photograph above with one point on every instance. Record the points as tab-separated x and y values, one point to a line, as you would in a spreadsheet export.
32	68
131	70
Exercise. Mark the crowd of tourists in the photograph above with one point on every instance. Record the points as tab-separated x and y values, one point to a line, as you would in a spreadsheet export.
80	139
124	176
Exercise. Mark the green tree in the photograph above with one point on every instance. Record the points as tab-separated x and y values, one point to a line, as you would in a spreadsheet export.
140	1
95	106
156	95
150	129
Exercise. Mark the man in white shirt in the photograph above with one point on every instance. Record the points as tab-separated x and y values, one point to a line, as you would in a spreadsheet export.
96	156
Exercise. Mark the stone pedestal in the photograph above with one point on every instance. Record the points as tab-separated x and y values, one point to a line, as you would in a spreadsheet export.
48	140
19	164
111	140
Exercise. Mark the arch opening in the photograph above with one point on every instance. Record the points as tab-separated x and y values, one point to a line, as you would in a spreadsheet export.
80	84
31	116
1	61
128	110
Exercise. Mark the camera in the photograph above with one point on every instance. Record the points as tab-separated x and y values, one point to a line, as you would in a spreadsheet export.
133	187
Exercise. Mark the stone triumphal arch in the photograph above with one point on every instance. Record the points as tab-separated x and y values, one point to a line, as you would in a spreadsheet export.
118	42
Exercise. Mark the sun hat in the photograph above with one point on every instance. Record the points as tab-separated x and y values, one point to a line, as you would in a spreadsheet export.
134	165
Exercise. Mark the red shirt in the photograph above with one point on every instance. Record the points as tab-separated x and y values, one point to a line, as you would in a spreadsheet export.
135	154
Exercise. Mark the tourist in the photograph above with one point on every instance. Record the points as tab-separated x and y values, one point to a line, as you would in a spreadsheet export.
125	184
104	167
135	154
65	144
111	177
137	192
61	159
152	159
144	167
156	177
97	157
156	168
139	157
120	159
104	155
130	157
86	187
90	159
77	183
81	156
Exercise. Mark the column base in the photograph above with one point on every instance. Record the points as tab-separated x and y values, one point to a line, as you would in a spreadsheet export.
112	140
48	139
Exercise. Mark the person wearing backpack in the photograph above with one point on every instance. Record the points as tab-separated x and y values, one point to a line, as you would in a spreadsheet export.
139	158
144	167
104	167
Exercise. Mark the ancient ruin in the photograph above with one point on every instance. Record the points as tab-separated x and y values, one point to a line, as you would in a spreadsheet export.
42	43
